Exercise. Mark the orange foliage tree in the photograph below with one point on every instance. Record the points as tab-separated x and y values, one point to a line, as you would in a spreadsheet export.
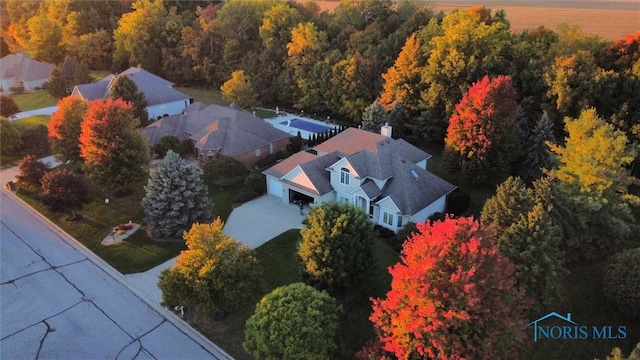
453	296
64	127
482	137
114	152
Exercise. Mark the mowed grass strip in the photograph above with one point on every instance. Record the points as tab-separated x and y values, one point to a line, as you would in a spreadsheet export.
33	100
32	121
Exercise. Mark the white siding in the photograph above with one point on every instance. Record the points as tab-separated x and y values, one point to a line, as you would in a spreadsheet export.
171	108
274	186
335	177
436	206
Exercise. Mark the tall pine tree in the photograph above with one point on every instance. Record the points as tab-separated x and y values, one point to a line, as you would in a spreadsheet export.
176	198
126	89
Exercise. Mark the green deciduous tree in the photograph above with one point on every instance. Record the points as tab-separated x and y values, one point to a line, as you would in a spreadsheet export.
64	190
483	138
216	275
592	174
453	296
337	250
8	106
10	140
46	39
95	49
126	89
238	89
176	197
64	128
115	153
294	321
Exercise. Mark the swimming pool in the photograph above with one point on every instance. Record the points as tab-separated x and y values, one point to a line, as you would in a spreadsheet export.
305	125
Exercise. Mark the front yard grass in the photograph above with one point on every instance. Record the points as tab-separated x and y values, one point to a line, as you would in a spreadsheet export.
280	267
32	121
33	100
135	254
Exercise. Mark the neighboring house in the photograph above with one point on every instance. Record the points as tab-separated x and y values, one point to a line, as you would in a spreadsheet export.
386	178
162	98
17	69
214	131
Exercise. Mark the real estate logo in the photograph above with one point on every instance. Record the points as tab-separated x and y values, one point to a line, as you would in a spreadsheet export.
572	330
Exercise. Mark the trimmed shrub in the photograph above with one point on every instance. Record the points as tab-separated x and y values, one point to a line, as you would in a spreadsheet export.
398	239
622	282
267	161
383	232
244	196
256	182
225	171
35	139
458	202
169	142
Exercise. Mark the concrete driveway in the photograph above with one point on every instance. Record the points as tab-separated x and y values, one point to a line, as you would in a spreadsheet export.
260	220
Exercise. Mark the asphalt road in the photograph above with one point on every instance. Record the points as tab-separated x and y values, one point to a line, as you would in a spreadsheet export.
59	301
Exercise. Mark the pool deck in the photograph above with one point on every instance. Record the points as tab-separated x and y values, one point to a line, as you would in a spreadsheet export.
293	131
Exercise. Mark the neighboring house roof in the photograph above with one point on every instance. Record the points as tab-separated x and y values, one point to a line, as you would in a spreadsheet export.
22	68
372	156
156	90
227	130
350	141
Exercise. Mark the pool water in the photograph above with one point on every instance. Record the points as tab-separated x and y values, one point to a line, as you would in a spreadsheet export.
305	125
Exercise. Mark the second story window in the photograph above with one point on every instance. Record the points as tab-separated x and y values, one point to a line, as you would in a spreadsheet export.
344	176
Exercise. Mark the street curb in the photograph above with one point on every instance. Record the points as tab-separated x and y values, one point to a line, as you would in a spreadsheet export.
180	324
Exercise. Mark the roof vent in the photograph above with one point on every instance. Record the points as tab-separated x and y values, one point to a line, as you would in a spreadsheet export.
414	173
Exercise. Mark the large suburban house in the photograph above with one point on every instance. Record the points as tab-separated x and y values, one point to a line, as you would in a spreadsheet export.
214	131
386	178
18	70
162	98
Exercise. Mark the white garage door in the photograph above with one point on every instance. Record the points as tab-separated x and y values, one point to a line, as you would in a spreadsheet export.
275	187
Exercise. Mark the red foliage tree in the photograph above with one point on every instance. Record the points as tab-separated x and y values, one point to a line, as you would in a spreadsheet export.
452	296
483	137
622	54
115	153
64	127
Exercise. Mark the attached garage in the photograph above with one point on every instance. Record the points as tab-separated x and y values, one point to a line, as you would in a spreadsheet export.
274	186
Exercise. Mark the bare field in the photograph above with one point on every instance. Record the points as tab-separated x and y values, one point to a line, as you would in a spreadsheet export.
610	19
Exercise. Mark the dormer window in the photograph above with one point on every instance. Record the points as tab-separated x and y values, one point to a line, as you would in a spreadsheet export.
344	176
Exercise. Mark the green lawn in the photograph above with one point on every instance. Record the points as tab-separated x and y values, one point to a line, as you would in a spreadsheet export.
205	96
280	267
136	254
33	100
32	121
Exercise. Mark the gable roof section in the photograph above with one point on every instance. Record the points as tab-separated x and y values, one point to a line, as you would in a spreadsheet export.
283	167
156	90
21	67
350	141
412	188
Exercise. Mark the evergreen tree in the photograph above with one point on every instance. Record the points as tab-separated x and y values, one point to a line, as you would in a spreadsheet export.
537	156
176	198
57	86
511	201
374	117
126	89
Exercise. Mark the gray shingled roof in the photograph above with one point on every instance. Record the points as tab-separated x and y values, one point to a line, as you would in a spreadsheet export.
413	194
156	90
231	131
411	187
21	67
